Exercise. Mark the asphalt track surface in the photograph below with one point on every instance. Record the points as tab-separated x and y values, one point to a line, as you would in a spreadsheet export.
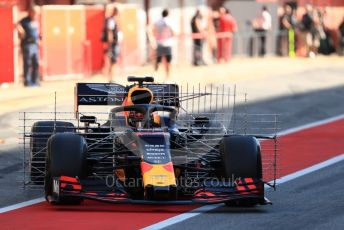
312	201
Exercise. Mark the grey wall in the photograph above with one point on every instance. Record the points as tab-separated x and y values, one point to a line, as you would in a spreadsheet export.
245	11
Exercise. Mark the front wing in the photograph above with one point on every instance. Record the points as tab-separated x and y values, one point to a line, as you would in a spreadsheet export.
243	189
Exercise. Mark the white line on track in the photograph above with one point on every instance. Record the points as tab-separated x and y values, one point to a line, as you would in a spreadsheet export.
310	125
21	205
311	169
206	208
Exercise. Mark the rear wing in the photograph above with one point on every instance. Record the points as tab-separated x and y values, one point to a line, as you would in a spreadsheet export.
96	94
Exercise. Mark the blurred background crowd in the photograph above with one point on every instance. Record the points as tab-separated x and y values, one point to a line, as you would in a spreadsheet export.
73	39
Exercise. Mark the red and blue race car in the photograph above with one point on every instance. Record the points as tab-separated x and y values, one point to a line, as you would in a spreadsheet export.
146	151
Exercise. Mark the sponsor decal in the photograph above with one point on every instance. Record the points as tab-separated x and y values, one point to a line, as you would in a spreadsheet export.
108	88
114	94
100	99
56	186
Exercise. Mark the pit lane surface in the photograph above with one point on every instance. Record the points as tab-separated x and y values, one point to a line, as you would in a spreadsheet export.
305	148
297	109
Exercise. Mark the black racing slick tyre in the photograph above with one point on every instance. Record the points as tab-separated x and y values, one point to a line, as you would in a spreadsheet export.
66	157
41	131
241	158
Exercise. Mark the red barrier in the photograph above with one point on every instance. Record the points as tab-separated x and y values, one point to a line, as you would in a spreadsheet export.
129	55
63	30
94	25
6	45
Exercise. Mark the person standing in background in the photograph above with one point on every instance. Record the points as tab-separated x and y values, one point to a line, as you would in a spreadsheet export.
227	26
287	24
326	42
198	40
28	29
111	38
216	17
162	41
309	31
211	35
262	24
341	40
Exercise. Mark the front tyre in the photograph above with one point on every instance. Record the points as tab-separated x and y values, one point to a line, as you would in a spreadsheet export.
66	157
41	131
241	158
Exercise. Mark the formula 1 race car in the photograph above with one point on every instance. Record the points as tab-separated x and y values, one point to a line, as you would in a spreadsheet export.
145	151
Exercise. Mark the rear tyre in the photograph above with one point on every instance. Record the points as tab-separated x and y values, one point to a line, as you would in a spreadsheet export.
41	131
241	159
66	157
